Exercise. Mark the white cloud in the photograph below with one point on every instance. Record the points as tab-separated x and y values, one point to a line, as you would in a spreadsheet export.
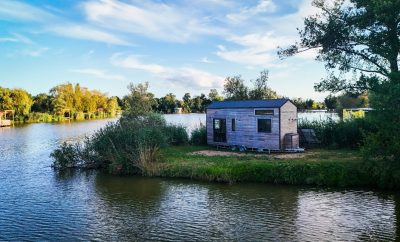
186	76
99	74
86	33
49	22
258	49
8	39
17	38
18	11
206	60
35	53
154	20
263	6
132	62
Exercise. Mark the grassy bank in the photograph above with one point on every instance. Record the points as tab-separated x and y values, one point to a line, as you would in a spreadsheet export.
342	168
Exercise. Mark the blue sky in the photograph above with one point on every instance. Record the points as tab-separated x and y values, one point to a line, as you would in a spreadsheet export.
177	46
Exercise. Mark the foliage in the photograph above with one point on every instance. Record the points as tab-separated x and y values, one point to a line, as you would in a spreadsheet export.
330	102
15	99
128	146
139	100
214	95
177	135
235	88
357	35
385	142
307	104
44	107
361	37
341	134
66	156
199	136
261	89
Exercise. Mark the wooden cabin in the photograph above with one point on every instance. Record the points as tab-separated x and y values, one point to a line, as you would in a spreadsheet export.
262	125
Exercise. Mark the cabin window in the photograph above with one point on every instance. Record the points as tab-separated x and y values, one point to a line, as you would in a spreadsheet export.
264	125
264	112
219	126
233	124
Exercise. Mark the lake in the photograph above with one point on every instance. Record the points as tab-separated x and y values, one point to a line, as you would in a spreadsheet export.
37	203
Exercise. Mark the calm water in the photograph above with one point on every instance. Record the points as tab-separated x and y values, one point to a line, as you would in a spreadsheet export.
37	203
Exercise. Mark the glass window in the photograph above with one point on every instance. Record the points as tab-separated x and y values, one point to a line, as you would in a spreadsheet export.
264	125
233	124
217	123
264	112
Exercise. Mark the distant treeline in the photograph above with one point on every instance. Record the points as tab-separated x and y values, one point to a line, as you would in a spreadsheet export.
63	101
81	103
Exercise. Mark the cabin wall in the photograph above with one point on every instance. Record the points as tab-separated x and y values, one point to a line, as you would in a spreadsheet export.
288	121
246	128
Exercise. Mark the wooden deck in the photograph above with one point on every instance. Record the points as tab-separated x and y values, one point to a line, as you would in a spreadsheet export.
5	123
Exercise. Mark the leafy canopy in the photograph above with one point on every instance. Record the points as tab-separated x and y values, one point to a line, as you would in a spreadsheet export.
356	36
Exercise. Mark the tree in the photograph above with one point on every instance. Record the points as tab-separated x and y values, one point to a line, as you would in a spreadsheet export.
41	103
6	101
78	98
330	102
139	100
214	95
361	37
235	89
112	106
261	90
22	101
187	103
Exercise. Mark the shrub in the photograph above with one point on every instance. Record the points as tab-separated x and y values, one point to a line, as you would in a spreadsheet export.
199	136
130	145
340	134
66	156
177	135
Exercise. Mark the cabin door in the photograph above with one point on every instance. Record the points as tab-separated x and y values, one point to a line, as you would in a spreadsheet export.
219	126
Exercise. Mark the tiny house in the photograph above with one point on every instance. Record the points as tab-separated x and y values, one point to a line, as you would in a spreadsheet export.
262	125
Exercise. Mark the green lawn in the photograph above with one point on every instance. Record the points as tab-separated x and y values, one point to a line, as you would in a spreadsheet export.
316	167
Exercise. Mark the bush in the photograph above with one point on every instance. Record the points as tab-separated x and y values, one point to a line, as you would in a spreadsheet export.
128	146
66	156
177	135
199	136
340	134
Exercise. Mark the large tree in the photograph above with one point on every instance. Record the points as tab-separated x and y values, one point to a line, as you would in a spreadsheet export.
261	89
235	89
360	36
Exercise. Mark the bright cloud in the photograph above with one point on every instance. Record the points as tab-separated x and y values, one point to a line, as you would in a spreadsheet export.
258	49
230	36
188	76
263	6
87	33
98	73
159	21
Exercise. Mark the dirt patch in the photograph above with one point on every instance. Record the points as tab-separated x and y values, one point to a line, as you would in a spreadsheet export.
278	156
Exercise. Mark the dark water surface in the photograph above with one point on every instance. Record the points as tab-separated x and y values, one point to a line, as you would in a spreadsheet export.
38	204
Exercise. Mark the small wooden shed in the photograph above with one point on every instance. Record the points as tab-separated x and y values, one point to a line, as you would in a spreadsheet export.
262	125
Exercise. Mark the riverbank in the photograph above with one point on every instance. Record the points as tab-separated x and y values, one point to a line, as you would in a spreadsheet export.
336	168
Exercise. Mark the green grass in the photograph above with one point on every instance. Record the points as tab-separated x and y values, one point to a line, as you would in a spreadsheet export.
341	168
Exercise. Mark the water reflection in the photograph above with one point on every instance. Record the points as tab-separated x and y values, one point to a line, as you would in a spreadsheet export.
186	210
37	203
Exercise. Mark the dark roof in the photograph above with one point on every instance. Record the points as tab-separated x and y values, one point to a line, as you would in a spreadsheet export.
270	103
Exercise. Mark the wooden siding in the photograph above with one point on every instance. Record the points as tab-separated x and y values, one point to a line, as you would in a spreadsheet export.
246	128
288	121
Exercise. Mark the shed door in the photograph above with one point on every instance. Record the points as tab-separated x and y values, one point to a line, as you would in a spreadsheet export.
219	126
